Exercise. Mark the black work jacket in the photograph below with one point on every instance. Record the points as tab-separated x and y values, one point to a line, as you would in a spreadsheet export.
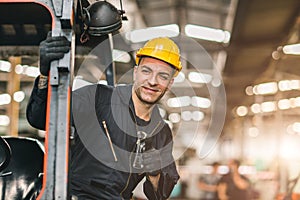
105	142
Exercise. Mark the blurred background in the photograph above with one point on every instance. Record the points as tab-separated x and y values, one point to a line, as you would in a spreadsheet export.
238	95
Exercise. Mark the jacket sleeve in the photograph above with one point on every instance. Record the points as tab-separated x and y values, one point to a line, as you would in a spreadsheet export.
169	175
167	181
36	107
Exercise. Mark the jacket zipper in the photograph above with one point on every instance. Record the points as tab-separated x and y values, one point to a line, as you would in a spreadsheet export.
130	169
110	142
127	182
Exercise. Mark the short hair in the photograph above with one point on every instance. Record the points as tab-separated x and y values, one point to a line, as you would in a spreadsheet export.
214	164
236	161
173	67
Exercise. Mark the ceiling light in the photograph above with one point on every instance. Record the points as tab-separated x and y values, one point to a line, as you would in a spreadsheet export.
197	116
197	77
5	66
174	117
249	90
295	84
200	102
141	35
207	33
265	88
5	99
19	69
297	102
27	70
19	96
4	120
186	115
276	55
286	85
255	108
242	111
268	106
293	49
177	102
284	104
179	78
120	56
32	71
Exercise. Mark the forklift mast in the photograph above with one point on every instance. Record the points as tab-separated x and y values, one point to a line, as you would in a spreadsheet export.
62	15
56	161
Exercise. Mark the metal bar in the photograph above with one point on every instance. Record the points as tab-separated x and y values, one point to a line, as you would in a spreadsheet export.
58	110
12	87
110	69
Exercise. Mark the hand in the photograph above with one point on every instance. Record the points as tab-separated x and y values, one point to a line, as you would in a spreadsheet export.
53	48
152	162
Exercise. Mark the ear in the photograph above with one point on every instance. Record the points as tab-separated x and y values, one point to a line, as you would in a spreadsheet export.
171	83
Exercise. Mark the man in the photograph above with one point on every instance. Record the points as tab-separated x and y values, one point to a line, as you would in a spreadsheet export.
208	184
120	138
233	185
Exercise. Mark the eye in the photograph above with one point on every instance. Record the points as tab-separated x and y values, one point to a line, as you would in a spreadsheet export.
146	71
164	77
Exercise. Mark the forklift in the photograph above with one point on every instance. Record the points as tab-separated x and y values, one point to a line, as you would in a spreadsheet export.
29	169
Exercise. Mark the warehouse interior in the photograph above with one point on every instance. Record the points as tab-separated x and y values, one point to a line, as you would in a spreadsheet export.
238	95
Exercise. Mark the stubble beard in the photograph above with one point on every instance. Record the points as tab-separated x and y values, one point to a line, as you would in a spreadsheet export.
150	103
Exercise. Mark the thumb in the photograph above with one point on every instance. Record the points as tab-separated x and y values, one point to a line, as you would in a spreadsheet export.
49	34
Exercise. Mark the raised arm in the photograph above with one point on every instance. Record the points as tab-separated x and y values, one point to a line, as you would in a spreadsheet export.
53	48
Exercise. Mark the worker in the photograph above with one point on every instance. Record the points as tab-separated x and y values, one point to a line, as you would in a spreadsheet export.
233	185
120	137
208	183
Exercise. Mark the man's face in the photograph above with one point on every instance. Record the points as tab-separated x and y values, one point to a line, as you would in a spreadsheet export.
233	166
152	78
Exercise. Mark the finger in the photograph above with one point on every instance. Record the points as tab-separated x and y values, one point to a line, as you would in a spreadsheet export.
59	42
62	49
57	38
55	56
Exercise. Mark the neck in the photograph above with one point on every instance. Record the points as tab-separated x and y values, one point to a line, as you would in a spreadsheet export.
142	110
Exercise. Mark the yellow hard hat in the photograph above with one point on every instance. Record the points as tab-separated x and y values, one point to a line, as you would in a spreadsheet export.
163	49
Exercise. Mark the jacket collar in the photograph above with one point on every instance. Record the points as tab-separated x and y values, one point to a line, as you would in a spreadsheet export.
156	121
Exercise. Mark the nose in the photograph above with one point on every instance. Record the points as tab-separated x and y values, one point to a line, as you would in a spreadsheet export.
152	79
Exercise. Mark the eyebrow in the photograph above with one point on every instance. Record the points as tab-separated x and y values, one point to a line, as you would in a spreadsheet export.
164	73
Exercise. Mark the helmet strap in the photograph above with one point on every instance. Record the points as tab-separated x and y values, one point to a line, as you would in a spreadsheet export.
84	37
